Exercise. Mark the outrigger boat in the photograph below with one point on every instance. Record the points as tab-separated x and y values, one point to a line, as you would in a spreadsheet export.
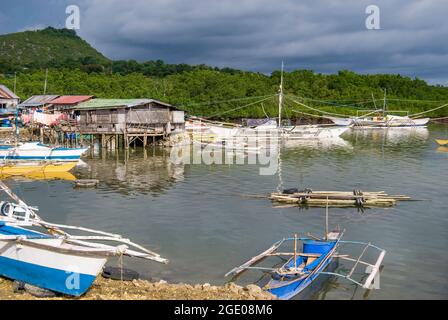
54	259
36	151
318	257
39	175
390	121
27	168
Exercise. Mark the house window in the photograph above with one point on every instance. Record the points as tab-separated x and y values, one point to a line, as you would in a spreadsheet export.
3	106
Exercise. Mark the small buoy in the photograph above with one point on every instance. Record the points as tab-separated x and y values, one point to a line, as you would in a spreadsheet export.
86	183
124	274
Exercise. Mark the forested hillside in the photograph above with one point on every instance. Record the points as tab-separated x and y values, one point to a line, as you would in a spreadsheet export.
201	90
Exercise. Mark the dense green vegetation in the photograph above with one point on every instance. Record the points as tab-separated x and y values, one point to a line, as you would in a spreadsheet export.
198	89
50	47
63	48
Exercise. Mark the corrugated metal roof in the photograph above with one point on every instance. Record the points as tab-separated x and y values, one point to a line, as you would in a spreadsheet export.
70	99
36	101
6	90
116	103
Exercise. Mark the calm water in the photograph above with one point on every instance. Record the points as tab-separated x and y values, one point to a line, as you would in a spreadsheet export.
199	218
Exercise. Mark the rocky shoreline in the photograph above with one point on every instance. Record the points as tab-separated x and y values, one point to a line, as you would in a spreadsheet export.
107	289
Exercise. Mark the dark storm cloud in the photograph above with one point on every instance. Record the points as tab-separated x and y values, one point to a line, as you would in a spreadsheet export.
323	35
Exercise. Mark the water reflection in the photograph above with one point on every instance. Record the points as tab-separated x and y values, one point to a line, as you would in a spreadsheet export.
442	149
392	136
138	171
320	144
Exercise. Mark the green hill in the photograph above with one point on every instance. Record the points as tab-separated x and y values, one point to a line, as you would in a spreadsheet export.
49	47
77	68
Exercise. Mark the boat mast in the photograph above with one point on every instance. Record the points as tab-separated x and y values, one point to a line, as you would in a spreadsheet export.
384	104
280	99
16	120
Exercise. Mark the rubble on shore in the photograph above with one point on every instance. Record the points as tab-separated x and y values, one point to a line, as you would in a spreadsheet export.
107	289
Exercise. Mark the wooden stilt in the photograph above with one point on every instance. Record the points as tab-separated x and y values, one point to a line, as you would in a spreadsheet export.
126	141
103	141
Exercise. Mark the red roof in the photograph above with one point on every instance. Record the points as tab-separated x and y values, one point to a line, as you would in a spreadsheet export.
70	99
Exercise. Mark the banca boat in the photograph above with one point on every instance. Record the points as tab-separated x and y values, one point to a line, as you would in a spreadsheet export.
54	259
38	167
442	142
36	151
388	121
304	267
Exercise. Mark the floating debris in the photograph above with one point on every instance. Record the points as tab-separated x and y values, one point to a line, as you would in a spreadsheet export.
308	197
86	183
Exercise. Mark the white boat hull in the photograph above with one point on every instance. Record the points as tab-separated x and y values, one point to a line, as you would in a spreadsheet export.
391	122
35	151
341	121
266	132
66	273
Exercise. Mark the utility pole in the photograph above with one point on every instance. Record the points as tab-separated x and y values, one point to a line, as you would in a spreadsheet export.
45	84
15	82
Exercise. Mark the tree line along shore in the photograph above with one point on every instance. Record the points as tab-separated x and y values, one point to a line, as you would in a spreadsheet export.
222	95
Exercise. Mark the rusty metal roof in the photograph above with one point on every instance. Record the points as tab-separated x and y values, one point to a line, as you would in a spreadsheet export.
65	100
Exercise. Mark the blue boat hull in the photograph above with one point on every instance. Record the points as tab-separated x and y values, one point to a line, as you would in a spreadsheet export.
285	288
44	277
46	262
286	292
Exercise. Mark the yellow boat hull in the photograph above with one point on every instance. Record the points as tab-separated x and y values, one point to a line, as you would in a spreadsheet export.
42	176
442	142
28	169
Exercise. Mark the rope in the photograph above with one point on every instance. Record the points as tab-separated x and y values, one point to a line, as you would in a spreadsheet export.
317	110
414	100
222	101
238	108
303	112
120	265
262	108
334	103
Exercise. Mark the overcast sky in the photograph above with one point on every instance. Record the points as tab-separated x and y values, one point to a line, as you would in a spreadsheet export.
322	35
